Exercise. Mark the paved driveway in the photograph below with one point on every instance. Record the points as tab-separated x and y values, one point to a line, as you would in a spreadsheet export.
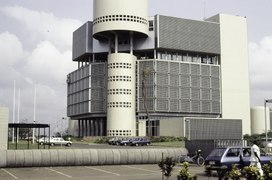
122	172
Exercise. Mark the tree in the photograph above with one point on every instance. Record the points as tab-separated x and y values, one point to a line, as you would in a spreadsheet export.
146	73
166	165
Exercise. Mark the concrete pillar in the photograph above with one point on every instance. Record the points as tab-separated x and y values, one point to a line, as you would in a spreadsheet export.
79	128
4	128
96	127
92	127
101	127
89	127
86	127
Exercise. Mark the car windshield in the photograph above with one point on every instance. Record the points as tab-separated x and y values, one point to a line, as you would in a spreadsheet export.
218	152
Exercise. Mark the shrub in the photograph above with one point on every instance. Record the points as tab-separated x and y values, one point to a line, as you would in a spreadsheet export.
102	140
166	139
267	171
251	172
235	172
166	166
184	173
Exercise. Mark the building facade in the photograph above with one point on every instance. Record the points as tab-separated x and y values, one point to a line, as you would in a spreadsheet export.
135	72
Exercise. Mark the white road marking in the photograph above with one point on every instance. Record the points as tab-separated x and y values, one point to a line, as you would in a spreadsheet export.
131	167
102	170
15	177
59	172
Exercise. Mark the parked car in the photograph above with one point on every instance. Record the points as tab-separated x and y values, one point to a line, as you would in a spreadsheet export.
115	141
59	141
227	156
140	142
126	141
43	140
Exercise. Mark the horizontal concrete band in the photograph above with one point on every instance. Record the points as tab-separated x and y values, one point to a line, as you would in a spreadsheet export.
80	157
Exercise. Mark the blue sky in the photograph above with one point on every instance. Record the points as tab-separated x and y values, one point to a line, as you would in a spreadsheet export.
36	44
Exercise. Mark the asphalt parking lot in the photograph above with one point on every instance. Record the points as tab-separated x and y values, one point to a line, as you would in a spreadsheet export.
112	172
120	172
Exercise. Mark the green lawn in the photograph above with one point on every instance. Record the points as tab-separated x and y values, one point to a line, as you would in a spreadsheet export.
24	145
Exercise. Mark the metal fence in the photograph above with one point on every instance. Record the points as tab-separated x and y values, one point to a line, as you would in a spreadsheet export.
208	145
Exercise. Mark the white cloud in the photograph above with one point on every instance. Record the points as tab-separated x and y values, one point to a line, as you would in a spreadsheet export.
48	65
45	64
44	26
11	49
260	58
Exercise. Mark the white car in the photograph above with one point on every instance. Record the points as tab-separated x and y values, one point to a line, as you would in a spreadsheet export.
59	141
43	140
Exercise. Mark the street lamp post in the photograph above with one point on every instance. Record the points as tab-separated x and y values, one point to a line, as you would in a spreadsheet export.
266	138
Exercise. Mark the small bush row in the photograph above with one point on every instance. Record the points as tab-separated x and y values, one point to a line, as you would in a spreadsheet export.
166	139
105	139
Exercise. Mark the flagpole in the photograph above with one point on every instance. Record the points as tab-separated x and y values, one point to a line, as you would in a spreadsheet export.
34	115
13	111
18	115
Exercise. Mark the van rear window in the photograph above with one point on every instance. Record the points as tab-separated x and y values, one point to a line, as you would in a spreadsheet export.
218	152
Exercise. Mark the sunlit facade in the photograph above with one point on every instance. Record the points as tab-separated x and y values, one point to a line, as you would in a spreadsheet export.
187	69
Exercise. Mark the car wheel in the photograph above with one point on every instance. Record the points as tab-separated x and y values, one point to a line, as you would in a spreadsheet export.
125	144
68	144
41	143
136	144
52	144
148	144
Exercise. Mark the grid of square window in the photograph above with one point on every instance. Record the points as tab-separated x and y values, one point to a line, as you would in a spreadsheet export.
119	132
119	78
119	65
113	18
119	91
119	104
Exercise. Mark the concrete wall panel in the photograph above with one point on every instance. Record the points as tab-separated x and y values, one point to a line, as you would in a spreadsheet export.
145	158
131	157
70	157
37	157
3	158
4	112
109	156
151	156
28	158
138	156
46	158
62	157
94	156
54	156
20	158
11	161
86	157
79	157
123	156
101	156
116	156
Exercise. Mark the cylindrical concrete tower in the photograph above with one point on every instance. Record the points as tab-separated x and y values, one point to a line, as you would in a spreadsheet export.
118	21
119	16
258	120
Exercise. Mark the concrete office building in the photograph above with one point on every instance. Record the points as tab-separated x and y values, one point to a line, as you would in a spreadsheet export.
4	128
190	70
